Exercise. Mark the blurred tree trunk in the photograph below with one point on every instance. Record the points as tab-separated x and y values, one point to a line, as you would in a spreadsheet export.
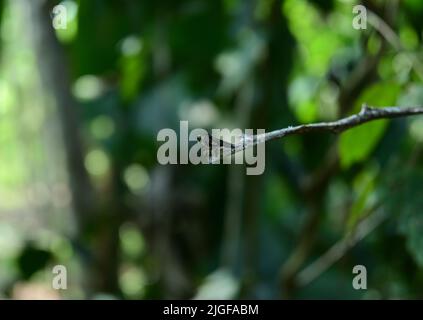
97	223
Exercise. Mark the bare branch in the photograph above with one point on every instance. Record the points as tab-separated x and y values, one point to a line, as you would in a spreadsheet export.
394	40
366	114
338	250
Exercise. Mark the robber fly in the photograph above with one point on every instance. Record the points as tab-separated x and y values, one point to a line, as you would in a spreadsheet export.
215	146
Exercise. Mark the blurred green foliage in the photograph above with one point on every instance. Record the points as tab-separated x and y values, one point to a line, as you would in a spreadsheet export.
135	67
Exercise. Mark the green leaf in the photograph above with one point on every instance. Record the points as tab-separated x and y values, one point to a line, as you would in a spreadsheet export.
364	193
301	96
356	144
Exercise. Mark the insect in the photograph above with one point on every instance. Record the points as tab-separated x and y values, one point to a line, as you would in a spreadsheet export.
215	147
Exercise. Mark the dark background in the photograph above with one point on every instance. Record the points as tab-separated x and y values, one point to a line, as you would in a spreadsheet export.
80	185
